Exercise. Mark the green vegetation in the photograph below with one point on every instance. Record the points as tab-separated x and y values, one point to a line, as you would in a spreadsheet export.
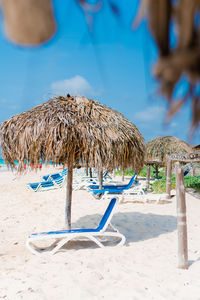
128	172
143	173
193	182
159	186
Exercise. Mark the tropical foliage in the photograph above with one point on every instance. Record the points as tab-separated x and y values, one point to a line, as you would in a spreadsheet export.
159	186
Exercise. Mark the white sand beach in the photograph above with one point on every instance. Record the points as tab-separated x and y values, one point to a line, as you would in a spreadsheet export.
145	268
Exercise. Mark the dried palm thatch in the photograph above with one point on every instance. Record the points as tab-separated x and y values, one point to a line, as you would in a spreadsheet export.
97	136
181	60
28	22
158	149
196	147
72	129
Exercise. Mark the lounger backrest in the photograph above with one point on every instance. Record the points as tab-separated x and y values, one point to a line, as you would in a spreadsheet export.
49	183
55	175
64	171
131	181
107	215
58	176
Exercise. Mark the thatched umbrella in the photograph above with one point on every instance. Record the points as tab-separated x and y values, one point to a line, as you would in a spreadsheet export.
196	147
72	129
180	58
159	148
28	22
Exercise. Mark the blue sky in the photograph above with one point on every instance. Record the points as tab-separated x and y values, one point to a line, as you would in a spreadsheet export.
113	66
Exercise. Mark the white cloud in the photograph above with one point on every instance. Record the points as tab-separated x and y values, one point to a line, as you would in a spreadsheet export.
173	124
149	114
76	85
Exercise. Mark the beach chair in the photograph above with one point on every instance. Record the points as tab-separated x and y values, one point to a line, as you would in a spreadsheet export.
55	175
46	185
133	194
83	183
111	189
106	177
105	229
118	186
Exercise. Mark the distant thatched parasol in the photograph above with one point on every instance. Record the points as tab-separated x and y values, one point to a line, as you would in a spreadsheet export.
72	129
158	149
196	147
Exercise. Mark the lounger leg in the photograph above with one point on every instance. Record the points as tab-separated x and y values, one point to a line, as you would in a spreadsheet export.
60	244
118	235
34	251
38	187
64	241
96	241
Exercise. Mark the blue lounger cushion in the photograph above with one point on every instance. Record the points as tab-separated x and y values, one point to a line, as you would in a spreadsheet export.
106	186
55	175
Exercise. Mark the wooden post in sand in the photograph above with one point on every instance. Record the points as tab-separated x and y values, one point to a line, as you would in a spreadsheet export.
193	170
169	174
148	176
181	218
69	193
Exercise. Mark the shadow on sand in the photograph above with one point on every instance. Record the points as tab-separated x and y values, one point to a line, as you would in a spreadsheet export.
134	225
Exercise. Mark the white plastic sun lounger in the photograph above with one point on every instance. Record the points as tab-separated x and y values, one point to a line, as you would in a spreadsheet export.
55	176
47	185
93	234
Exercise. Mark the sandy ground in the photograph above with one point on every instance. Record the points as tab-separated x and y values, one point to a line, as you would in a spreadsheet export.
145	268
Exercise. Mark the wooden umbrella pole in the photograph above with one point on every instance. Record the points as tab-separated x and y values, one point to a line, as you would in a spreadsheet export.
90	169
122	175
181	218
148	176
169	174
100	173
69	193
157	172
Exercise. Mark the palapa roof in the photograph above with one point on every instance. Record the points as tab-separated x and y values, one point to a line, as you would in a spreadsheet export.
180	58
158	149
97	135
196	147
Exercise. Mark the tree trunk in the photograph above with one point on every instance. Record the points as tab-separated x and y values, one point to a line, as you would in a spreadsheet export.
181	218
69	194
148	176
168	182
28	22
90	169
